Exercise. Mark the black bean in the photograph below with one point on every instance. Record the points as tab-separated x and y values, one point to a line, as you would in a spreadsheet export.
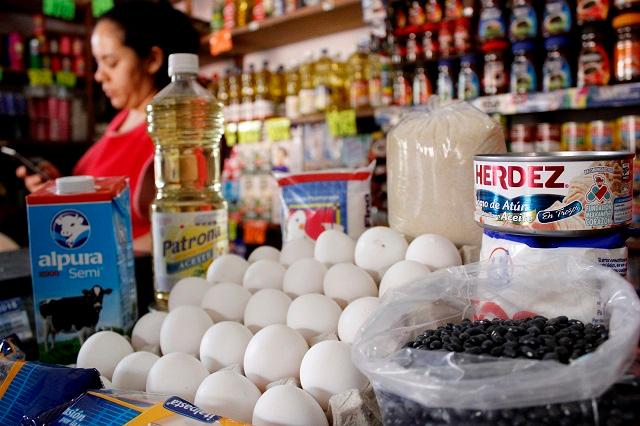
487	345
435	345
533	330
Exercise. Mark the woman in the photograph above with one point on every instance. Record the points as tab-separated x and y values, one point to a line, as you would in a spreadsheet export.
131	45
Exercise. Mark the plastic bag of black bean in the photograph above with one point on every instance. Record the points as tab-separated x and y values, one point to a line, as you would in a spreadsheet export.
503	345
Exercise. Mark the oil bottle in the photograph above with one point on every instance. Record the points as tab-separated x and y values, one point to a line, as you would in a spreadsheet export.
321	77
307	92
263	104
291	89
358	85
247	93
188	215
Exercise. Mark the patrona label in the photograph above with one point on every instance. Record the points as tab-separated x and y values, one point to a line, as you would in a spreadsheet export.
548	197
185	244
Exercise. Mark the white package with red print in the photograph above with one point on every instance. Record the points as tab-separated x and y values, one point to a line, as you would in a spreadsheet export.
328	199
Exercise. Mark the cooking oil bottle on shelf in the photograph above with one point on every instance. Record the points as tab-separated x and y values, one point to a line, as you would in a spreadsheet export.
247	93
337	83
306	96
321	77
291	90
358	84
263	104
276	91
188	214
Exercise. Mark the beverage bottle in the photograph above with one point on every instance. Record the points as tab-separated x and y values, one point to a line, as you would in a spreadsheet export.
307	94
247	93
263	104
217	15
243	13
358	85
276	90
338	85
222	92
188	215
229	15
291	89
421	87
321	75
386	72
372	75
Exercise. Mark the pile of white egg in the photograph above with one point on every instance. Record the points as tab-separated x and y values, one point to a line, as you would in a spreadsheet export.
281	315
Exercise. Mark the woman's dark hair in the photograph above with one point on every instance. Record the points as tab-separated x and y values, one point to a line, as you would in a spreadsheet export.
154	23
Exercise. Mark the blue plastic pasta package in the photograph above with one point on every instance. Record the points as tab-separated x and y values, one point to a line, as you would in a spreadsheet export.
315	201
130	408
29	388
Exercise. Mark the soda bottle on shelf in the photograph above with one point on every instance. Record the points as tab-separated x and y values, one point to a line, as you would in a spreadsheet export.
357	83
247	92
421	87
321	74
188	214
263	104
307	93
276	89
291	89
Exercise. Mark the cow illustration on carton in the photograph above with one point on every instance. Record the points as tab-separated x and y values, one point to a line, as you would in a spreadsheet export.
72	314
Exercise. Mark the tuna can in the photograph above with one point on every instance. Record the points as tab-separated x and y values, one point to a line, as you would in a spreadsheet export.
554	194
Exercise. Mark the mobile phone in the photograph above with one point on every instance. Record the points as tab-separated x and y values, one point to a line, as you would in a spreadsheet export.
25	161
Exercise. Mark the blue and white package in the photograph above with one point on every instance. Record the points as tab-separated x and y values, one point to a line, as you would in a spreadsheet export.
313	202
608	250
80	242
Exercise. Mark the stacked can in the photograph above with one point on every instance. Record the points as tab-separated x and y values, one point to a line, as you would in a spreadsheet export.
535	205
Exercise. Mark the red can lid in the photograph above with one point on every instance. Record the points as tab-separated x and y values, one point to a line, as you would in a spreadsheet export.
494	45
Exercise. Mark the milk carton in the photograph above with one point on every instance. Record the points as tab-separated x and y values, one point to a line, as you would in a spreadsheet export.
81	262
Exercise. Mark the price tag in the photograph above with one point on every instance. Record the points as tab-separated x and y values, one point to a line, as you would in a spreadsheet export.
65	9
66	79
220	42
100	7
342	123
255	231
231	134
278	129
40	77
250	131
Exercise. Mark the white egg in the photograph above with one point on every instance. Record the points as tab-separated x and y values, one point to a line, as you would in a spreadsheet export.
132	371
228	394
274	353
227	268
106	383
223	345
297	249
176	374
303	277
313	314
435	251
264	253
403	272
378	248
287	405
183	329
146	333
334	247
345	282
103	351
226	302
327	370
354	316
263	274
188	291
266	307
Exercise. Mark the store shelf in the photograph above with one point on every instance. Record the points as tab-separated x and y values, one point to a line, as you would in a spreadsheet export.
620	95
328	17
321	117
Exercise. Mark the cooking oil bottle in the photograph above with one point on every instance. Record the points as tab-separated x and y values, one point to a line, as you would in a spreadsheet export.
307	92
358	85
188	214
321	77
276	90
263	104
337	83
291	90
247	93
232	109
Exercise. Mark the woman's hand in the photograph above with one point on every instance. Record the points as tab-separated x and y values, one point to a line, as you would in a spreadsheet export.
35	181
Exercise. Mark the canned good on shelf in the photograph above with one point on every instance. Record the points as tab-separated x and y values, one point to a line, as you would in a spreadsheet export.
573	137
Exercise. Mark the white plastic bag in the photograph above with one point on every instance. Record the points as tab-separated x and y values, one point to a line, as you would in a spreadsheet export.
465	381
430	172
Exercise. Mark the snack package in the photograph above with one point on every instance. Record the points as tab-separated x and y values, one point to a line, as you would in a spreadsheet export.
430	170
329	199
29	388
607	250
442	383
119	408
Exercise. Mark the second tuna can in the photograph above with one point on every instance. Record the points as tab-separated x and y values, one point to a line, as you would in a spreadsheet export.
554	194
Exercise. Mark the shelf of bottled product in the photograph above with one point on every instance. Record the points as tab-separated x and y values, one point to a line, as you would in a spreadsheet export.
619	95
321	117
327	17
